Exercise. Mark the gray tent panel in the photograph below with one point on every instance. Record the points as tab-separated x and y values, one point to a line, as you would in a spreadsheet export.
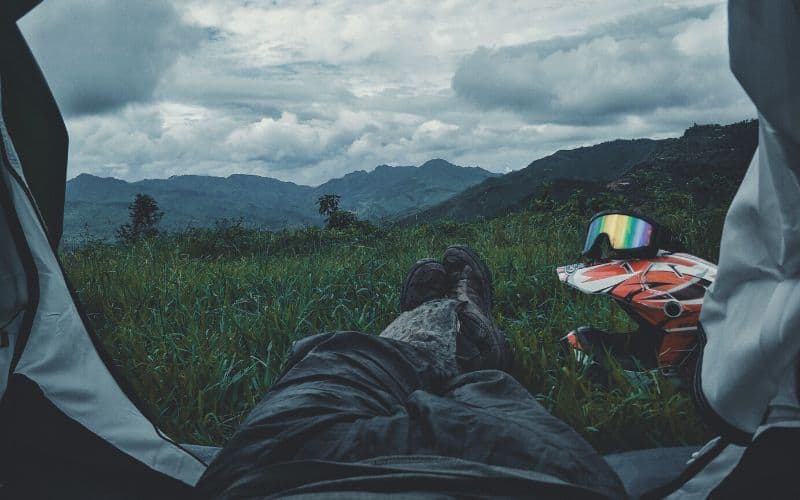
12	10
36	128
49	359
746	380
61	358
13	299
751	314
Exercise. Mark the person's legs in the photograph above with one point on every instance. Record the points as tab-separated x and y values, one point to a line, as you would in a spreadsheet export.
343	395
503	424
350	397
346	400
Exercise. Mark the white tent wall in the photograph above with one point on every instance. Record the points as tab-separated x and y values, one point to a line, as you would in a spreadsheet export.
746	380
751	314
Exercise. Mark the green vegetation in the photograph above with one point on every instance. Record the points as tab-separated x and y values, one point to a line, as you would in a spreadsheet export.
144	216
328	205
200	321
96	205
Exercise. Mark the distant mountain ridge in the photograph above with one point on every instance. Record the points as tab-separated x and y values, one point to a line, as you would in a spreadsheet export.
707	161
96	206
708	150
403	189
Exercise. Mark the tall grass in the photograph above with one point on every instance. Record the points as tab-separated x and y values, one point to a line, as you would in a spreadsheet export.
201	321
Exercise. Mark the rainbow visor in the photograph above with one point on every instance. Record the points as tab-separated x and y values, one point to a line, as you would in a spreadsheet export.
624	232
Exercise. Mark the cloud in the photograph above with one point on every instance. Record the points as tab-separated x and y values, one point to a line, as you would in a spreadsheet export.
287	143
661	59
103	54
435	134
308	90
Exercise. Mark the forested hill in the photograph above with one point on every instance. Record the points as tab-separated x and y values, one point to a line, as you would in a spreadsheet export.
96	206
707	160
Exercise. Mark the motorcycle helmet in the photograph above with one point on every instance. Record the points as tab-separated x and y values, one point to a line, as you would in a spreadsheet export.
660	290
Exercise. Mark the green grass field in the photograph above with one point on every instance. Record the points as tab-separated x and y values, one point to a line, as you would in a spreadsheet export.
200	321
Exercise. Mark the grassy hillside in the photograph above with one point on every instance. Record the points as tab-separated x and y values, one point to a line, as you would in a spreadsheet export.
201	321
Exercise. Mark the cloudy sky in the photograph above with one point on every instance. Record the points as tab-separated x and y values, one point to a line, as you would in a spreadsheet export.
309	90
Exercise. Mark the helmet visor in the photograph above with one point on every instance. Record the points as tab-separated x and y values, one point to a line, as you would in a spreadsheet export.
624	232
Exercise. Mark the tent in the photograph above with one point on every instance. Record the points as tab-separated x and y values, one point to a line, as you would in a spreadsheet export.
71	427
54	374
746	383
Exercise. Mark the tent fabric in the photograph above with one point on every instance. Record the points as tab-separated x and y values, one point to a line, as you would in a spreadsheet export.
767	468
48	455
45	343
35	126
14	299
61	358
751	314
357	412
707	471
746	378
13	10
764	468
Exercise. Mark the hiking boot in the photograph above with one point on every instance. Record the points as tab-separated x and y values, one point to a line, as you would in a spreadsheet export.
455	260
480	344
426	280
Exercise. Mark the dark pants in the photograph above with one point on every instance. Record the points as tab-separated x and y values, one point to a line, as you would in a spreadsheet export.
350	397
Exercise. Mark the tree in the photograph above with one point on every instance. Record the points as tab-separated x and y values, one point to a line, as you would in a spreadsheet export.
144	217
328	204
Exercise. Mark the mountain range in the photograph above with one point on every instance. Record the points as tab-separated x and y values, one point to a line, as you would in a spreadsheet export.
96	206
707	161
709	155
